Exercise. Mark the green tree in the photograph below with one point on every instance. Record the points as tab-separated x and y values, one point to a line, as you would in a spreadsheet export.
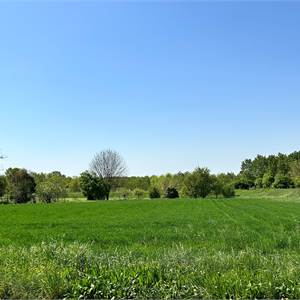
199	183
20	185
93	187
74	185
51	189
3	185
171	193
154	193
216	185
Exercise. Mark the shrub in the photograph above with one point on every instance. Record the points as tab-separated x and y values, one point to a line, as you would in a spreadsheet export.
296	181
283	182
267	180
243	183
122	193
171	193
258	183
52	189
154	193
228	191
138	193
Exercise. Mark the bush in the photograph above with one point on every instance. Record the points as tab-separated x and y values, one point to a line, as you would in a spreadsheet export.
244	183
52	189
228	191
258	183
154	193
20	185
283	182
138	193
122	193
267	180
171	193
296	181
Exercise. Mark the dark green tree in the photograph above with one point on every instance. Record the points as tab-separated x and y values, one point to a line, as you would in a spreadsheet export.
171	193
3	185
154	193
20	185
199	183
93	187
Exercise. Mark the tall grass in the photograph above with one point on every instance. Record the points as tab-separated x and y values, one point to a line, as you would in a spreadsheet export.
57	270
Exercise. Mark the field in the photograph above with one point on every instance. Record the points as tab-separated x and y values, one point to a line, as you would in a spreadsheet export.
214	248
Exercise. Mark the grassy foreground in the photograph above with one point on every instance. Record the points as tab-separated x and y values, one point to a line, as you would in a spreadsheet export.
241	248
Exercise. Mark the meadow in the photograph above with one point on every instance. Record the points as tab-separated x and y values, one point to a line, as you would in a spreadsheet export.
246	247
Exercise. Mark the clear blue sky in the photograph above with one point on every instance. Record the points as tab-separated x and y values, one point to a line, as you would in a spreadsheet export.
168	85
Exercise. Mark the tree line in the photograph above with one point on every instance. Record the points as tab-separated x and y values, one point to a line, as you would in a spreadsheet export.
107	178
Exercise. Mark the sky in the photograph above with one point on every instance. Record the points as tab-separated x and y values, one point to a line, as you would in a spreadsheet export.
169	85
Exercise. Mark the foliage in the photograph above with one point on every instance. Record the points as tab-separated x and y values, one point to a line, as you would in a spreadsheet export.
267	180
267	167
154	193
122	193
93	187
74	185
138	193
52	188
199	183
228	190
20	185
283	182
171	193
217	185
3	185
258	183
244	183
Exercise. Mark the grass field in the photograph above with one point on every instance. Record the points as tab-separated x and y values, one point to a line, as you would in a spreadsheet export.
212	248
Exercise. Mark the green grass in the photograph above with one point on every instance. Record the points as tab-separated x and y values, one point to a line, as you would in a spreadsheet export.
213	248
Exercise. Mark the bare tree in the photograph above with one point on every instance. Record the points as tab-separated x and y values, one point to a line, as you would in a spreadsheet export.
108	165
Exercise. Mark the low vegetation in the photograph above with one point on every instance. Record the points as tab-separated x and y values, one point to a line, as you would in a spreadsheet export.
187	248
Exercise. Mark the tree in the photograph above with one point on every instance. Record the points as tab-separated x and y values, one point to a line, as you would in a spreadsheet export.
52	188
154	193
199	183
93	187
171	193
20	185
217	185
74	185
3	185
108	165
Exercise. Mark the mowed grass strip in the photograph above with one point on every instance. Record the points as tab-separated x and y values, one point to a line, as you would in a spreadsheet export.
208	248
